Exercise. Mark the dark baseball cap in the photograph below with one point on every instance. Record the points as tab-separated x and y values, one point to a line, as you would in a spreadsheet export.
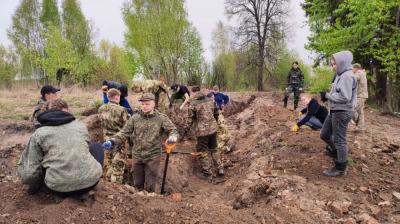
48	89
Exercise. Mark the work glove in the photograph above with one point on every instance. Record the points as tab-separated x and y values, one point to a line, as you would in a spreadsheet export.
107	145
295	128
300	114
323	96
172	139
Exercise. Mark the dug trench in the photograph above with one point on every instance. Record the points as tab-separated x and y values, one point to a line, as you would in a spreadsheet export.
272	176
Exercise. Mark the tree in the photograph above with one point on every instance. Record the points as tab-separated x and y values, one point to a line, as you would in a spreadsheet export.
7	67
76	27
25	33
371	30
50	14
259	22
158	31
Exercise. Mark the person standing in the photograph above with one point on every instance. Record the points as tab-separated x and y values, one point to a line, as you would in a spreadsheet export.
295	81
113	118
201	114
145	129
342	99
362	95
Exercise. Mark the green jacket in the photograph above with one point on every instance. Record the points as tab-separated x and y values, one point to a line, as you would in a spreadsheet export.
113	118
146	133
60	155
37	111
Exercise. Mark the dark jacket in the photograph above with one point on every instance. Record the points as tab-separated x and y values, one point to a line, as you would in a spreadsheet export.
295	78
313	109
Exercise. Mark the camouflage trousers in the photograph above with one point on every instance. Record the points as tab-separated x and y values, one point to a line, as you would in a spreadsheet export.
223	136
206	146
180	118
114	165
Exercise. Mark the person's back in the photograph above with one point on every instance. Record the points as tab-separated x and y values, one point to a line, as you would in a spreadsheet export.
60	148
362	88
202	108
113	118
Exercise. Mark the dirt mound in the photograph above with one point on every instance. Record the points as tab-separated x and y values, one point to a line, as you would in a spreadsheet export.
237	105
272	176
93	124
16	127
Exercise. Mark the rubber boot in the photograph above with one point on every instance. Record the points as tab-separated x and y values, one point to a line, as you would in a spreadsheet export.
338	170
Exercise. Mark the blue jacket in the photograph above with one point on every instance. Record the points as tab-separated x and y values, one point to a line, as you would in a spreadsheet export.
123	102
220	99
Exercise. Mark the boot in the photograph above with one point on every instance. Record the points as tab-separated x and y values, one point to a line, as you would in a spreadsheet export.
338	170
330	152
285	102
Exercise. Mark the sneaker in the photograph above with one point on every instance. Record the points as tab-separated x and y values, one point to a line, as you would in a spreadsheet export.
333	172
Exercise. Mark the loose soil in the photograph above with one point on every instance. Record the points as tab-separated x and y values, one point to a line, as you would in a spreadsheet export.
272	176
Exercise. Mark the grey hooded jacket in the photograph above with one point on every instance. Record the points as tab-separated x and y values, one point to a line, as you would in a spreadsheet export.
343	94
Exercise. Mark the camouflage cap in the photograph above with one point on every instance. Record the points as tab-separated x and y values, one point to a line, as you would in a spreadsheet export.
357	65
147	97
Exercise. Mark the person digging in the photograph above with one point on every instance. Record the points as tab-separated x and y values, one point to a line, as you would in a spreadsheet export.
145	129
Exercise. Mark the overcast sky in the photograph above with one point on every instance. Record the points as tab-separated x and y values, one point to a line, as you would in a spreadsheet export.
204	14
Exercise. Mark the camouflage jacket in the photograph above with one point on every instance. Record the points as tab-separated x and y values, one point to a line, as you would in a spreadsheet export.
37	111
113	118
63	152
201	113
295	78
362	88
146	133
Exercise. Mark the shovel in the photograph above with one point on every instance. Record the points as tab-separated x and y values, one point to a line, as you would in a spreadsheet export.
168	149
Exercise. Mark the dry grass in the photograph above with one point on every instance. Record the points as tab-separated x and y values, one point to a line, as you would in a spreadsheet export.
19	104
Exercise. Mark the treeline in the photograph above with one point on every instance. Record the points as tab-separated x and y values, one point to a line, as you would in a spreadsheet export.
371	30
50	45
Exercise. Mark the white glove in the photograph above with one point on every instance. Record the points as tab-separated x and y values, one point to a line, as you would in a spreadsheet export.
172	139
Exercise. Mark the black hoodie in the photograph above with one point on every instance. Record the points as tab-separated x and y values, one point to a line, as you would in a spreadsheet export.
55	118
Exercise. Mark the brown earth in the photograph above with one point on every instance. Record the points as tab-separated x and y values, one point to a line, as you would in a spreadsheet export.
272	176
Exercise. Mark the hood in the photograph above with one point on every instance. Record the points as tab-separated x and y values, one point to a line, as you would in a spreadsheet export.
55	118
344	61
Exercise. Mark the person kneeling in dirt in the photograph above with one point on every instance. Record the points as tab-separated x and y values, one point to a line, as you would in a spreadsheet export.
295	82
58	155
113	118
201	112
223	137
48	93
124	93
313	115
146	129
342	99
